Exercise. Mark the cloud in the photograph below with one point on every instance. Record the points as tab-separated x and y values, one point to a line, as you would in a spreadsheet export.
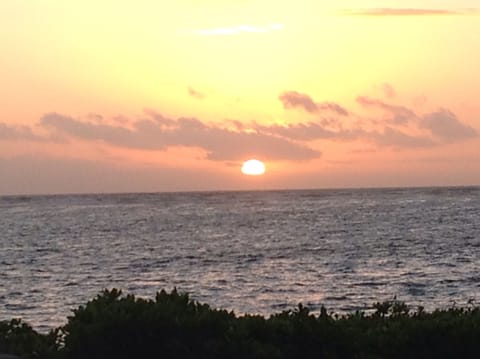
236	140
400	114
158	118
385	124
66	125
395	130
16	133
196	94
159	133
241	145
95	117
311	131
299	132
388	90
406	12
446	126
391	137
294	99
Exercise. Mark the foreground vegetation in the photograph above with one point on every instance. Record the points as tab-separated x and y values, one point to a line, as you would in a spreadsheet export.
114	325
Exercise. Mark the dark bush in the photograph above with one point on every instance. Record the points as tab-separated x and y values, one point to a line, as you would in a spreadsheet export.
116	326
172	325
17	337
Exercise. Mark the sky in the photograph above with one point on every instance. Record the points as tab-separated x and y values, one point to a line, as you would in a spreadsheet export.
147	96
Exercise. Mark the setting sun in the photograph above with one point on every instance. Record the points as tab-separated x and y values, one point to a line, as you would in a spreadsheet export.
108	111
253	168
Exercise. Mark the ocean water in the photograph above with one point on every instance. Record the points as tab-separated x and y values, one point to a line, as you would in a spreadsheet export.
251	252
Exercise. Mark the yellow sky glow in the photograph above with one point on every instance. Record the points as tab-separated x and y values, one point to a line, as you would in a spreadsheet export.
355	93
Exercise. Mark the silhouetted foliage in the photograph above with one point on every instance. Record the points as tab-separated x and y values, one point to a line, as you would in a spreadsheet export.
17	337
113	325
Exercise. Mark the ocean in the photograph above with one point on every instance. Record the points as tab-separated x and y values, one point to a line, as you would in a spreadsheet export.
251	252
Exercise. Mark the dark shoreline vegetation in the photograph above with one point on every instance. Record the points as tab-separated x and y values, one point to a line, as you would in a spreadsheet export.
172	325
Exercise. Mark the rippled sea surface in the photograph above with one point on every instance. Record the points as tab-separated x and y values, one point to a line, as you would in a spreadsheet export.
253	252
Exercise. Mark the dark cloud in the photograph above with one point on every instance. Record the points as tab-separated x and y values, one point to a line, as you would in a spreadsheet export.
239	125
403	12
391	137
241	145
120	119
299	132
442	125
196	94
158	117
115	135
235	140
311	131
331	106
294	99
400	114
388	137
16	133
95	117
446	126
159	133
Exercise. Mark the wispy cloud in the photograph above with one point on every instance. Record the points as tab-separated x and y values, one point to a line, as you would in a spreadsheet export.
238	29
407	12
294	99
399	114
195	93
388	90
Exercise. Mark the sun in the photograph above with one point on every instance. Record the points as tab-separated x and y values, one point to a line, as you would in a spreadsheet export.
253	168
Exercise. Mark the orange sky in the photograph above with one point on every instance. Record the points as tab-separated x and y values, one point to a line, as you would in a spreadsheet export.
162	96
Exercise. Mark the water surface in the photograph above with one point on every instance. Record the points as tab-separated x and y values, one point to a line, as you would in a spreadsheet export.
253	252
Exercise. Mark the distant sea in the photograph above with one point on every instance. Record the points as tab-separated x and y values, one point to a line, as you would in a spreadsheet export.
251	252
